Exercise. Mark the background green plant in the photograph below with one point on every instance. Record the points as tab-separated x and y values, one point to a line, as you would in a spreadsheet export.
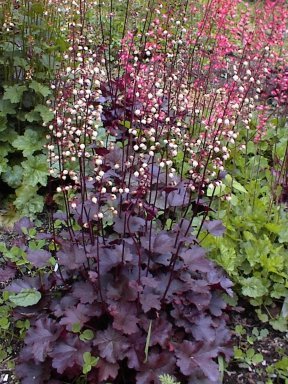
253	251
31	42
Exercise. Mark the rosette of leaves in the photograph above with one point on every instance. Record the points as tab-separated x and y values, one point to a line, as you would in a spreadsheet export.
116	310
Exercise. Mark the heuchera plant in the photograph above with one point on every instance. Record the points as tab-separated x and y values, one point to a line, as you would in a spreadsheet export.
138	144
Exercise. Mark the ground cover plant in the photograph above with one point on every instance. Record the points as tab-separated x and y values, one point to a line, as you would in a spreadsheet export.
145	133
254	248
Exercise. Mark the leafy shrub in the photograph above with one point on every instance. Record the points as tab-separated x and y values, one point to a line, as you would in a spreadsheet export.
254	248
30	44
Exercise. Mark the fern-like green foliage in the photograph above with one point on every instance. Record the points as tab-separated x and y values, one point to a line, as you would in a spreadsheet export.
167	379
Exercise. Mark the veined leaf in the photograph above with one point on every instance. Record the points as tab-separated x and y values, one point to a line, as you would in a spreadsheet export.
230	182
238	187
253	287
39	88
13	176
14	93
30	142
35	170
216	191
45	113
26	297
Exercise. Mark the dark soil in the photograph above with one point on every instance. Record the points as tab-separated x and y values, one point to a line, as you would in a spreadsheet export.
273	348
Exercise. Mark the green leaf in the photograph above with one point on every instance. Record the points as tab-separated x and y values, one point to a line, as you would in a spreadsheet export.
262	316
238	353
273	227
34	206
6	107
283	236
230	182
3	165
282	364
76	327
33	116
89	362
35	170
216	191
86	335
253	287
238	187
280	324
240	330
9	137
45	113
20	62
257	358
25	193
13	176
14	93
30	142
39	88
26	297
167	379
3	122
5	148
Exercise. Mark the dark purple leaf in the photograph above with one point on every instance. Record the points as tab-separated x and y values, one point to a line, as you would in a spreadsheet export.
194	257
60	216
75	315
7	273
25	283
215	227
223	338
38	257
41	337
179	198
201	300
44	236
149	281
123	289
203	329
85	211
157	364
84	291
71	256
102	151
24	222
110	257
164	259
107	371
149	301
68	353
135	352
162	242
59	307
191	356
161	330
125	317
217	304
217	278
128	224
111	344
